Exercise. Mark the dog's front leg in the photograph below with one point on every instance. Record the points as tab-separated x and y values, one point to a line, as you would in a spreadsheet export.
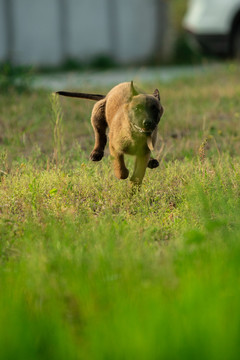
120	170
141	163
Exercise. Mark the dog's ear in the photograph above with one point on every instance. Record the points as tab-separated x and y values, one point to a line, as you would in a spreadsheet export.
133	90
156	94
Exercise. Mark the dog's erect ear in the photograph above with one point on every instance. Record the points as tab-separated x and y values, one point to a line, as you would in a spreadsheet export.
156	94
133	90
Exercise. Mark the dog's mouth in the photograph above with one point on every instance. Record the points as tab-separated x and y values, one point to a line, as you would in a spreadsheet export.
142	130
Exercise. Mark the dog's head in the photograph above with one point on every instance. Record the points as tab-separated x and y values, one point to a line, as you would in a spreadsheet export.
145	111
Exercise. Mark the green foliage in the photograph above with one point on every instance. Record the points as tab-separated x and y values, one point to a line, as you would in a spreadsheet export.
184	52
90	271
103	62
14	78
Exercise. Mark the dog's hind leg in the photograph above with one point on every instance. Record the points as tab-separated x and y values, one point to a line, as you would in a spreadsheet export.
99	125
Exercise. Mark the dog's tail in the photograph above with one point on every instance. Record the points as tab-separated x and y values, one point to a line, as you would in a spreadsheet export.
95	97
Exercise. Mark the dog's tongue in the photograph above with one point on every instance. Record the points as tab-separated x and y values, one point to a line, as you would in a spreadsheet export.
149	142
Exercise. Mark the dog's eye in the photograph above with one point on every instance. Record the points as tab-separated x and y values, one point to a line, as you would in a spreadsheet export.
139	109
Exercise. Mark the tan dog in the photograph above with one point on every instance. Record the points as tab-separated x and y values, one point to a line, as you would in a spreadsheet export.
132	118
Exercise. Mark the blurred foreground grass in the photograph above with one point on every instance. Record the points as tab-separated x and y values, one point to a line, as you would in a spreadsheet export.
89	271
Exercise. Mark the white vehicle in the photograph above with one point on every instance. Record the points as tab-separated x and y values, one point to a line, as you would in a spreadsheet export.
215	24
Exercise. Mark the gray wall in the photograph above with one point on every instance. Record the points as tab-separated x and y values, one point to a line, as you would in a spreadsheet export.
47	32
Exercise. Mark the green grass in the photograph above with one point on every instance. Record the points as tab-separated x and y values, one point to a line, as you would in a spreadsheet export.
89	271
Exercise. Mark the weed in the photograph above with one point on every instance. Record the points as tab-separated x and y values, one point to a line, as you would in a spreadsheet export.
57	132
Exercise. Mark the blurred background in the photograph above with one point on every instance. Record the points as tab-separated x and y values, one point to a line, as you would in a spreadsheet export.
71	34
50	33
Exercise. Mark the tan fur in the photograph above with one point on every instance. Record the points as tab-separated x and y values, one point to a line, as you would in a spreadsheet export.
132	118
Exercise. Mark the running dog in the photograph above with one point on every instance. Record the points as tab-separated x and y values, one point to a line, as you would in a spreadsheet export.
132	118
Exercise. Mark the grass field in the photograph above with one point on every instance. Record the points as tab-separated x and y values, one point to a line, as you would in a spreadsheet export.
89	271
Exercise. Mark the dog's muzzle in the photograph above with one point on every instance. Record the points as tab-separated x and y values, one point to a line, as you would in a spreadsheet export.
143	130
149	125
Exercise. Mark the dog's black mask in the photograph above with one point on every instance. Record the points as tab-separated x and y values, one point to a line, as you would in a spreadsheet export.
145	113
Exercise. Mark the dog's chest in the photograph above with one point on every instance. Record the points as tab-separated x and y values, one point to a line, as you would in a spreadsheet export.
137	145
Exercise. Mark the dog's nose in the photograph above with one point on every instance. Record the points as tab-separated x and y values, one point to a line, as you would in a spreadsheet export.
147	124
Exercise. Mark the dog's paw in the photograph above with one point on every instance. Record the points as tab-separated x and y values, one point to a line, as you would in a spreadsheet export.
121	174
96	155
153	163
124	174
